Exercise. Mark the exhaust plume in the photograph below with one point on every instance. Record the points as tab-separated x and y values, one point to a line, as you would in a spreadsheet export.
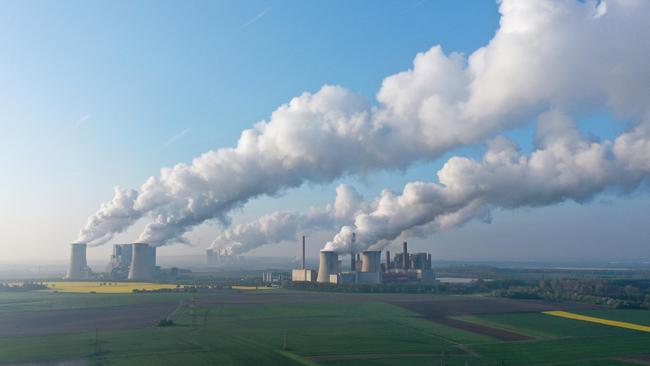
565	166
570	55
280	226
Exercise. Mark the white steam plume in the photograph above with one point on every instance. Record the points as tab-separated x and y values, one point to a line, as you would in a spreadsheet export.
280	226
565	166
566	54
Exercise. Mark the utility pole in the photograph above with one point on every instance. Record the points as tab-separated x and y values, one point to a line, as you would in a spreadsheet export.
284	341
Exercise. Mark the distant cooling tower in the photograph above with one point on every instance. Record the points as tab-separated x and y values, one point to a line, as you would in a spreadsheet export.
78	267
371	261
143	262
328	265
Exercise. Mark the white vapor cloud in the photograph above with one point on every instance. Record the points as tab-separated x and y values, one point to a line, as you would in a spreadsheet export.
559	55
281	226
565	166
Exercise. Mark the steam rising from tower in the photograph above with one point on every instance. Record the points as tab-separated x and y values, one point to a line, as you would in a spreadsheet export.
548	56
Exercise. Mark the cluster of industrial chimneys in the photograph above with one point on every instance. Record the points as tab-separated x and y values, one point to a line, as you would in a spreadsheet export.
142	262
366	267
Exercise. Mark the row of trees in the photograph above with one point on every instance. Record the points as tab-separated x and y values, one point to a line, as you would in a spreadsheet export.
22	286
622	294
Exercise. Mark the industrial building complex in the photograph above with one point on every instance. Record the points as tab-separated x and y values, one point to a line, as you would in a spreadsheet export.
366	268
135	261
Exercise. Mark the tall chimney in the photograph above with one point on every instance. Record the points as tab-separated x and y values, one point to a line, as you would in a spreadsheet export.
405	258
78	267
352	262
303	252
142	262
387	260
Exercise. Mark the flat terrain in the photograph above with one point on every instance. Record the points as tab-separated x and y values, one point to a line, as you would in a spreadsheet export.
30	323
278	327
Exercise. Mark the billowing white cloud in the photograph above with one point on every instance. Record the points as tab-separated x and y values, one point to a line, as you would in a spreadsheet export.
565	166
575	56
280	226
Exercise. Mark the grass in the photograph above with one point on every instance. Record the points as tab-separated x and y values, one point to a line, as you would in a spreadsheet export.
565	350
106	287
327	333
44	301
542	326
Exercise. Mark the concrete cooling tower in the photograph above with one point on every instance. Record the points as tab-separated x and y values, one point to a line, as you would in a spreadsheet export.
78	267
371	261
328	265
143	262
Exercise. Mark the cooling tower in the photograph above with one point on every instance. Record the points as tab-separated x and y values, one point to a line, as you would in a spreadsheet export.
328	264
143	261
78	267
371	261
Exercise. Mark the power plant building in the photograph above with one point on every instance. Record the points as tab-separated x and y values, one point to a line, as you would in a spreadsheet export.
143	262
120	263
78	269
366	268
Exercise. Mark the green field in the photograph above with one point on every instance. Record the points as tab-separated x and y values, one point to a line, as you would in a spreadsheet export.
318	333
41	301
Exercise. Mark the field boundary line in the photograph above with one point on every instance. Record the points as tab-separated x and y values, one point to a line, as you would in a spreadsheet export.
603	321
297	358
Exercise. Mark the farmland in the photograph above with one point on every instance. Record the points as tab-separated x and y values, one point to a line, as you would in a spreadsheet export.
106	287
280	327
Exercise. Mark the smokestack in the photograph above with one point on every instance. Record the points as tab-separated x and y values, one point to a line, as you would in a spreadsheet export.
371	261
429	261
303	252
78	267
143	261
387	260
405	258
328	264
352	262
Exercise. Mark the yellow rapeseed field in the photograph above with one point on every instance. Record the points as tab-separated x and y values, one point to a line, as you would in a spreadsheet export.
106	287
613	323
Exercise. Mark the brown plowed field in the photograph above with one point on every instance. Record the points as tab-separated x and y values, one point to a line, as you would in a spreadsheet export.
499	334
466	305
29	323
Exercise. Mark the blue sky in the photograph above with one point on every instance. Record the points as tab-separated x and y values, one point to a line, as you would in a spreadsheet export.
98	94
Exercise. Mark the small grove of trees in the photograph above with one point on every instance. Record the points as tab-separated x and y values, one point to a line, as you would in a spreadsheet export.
23	286
165	323
620	294
437	288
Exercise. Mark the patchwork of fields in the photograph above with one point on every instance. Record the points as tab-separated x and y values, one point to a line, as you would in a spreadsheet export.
308	328
106	287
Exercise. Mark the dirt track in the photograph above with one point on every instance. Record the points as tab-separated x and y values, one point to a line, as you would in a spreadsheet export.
31	323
